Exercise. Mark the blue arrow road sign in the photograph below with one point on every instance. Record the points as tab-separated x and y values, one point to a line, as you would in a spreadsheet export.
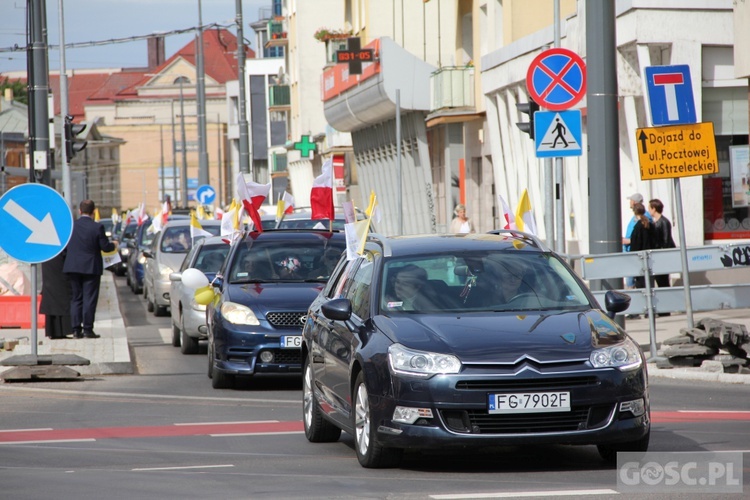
36	223
205	194
557	134
670	95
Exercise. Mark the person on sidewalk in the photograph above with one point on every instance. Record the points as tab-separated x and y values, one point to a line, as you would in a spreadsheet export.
663	229
84	267
55	304
632	199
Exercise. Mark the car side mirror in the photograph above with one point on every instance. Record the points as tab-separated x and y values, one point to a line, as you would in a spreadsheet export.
175	276
616	302
148	254
337	309
218	281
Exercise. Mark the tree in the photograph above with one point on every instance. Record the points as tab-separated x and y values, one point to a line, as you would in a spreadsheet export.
20	91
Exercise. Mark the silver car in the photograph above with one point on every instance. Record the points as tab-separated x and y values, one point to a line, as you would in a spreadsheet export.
165	255
189	318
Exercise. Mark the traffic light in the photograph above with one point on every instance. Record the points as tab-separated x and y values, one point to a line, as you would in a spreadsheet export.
72	144
528	108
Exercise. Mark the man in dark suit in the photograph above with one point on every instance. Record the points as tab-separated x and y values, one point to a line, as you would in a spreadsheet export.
84	266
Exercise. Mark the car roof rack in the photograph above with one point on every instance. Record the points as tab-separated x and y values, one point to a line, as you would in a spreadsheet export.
382	241
527	236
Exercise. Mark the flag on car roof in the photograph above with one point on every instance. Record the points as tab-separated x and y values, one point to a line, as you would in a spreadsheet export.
252	195
509	219
525	214
284	206
230	221
321	196
196	230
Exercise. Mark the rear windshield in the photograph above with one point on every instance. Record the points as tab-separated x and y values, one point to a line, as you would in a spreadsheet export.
263	261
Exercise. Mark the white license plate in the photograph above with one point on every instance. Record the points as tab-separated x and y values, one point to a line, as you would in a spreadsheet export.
529	402
291	342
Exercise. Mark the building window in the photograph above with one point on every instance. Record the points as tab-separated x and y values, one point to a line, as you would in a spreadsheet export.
726	195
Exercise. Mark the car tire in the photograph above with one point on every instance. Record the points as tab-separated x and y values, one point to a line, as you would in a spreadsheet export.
175	335
370	453
149	304
210	356
219	380
160	310
608	452
317	428
189	344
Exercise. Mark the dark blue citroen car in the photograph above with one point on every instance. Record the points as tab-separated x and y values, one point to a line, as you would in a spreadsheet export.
468	340
264	289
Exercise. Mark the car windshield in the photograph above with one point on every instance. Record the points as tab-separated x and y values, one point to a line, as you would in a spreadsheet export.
129	231
211	258
178	240
480	281
283	260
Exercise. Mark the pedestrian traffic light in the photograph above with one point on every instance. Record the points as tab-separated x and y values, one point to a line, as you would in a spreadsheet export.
528	108
73	145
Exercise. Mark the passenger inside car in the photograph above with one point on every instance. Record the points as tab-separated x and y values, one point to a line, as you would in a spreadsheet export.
211	262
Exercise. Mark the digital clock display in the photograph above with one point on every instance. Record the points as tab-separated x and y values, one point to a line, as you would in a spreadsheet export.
364	55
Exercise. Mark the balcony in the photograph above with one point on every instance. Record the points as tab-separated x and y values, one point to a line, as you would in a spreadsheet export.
332	46
278	97
452	87
277	35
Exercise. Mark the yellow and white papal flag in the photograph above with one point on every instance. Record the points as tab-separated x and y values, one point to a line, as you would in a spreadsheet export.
525	215
196	230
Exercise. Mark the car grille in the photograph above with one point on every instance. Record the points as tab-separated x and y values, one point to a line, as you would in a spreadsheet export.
287	319
481	422
514	384
287	356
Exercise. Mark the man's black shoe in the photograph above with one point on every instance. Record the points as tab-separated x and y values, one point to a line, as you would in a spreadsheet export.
90	335
77	334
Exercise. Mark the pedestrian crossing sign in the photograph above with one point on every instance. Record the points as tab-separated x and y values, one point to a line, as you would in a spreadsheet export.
557	133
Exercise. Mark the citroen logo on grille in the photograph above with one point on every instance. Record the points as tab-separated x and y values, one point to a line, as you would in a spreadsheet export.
303	319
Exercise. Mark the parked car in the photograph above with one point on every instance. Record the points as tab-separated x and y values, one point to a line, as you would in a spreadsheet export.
136	259
164	255
266	285
468	340
189	317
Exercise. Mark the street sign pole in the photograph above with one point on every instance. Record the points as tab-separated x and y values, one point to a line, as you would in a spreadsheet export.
560	208
683	254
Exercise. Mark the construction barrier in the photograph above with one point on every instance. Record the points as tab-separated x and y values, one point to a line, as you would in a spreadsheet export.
15	312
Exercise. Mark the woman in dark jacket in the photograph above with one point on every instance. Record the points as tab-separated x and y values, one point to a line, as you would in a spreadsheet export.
643	237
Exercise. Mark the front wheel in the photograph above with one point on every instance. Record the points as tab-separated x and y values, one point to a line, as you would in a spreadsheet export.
175	336
370	453
317	428
608	452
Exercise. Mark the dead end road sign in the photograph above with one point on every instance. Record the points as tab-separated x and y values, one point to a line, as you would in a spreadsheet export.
677	151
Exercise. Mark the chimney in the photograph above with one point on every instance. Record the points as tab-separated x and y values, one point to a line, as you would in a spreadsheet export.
155	51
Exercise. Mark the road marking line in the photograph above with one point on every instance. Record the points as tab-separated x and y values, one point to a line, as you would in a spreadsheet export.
232	423
27	430
182	468
713	411
49	441
148	396
526	494
256	434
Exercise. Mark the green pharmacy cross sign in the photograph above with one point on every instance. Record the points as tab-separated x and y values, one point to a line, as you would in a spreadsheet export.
305	146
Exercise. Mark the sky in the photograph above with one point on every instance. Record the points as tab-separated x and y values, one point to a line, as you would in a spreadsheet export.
101	20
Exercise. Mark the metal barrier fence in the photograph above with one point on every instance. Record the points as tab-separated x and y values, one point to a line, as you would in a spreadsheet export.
649	263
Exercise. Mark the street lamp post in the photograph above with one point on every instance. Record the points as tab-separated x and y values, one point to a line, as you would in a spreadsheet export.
184	176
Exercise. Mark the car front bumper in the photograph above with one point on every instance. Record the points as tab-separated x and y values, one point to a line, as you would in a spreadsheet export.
460	415
238	349
161	292
194	322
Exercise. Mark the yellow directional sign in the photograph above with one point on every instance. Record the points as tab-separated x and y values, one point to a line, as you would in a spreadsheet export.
677	151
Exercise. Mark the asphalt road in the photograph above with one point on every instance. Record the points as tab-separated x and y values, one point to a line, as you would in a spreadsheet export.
164	432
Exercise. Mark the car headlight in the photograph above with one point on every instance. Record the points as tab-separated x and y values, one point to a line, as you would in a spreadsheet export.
421	363
141	259
124	252
238	314
624	356
165	271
